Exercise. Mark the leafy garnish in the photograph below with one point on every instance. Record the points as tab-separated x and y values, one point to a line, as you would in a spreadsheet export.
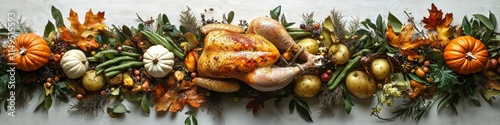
302	108
444	77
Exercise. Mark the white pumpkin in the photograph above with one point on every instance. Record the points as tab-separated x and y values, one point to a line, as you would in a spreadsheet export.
74	63
158	61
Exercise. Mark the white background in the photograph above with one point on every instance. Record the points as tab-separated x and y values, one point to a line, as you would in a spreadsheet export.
123	12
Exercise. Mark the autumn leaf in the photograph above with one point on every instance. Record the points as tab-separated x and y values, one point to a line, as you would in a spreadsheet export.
441	25
85	33
404	41
435	17
176	95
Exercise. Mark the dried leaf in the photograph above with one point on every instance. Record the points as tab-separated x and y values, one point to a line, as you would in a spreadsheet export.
487	94
176	96
404	41
85	33
434	18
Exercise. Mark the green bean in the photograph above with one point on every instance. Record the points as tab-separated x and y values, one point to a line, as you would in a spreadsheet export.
335	75
123	66
123	53
101	55
99	71
114	61
112	74
343	74
92	59
126	48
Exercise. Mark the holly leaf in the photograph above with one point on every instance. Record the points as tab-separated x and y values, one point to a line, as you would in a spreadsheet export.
444	77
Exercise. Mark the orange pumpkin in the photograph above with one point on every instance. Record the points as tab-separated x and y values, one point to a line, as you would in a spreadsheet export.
465	55
31	52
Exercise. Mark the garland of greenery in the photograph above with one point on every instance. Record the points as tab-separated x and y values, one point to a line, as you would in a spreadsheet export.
416	74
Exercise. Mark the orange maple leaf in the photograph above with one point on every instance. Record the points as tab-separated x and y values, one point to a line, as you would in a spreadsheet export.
404	41
176	95
444	31
434	19
85	33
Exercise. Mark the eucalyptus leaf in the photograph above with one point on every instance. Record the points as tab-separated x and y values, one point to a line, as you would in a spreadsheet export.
466	26
145	105
487	22
56	14
230	17
328	24
120	108
49	27
48	102
395	23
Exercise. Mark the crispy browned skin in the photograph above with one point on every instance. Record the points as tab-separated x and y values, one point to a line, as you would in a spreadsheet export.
249	57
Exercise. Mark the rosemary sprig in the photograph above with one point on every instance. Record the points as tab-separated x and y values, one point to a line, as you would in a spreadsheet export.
188	20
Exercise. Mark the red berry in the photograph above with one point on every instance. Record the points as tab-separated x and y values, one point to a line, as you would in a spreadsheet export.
79	96
193	74
137	72
103	92
329	72
493	63
325	77
316	25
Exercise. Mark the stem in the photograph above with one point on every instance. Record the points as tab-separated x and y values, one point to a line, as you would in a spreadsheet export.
470	56
155	61
23	51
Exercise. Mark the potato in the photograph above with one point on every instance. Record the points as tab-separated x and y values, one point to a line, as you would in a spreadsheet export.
310	45
380	68
93	82
360	84
339	54
307	86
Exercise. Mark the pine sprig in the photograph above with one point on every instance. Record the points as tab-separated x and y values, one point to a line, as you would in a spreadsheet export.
188	20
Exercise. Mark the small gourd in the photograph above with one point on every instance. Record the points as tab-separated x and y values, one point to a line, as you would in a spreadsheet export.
29	52
74	63
158	61
466	55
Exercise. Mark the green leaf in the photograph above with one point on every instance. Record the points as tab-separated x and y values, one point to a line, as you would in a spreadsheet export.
395	23
195	121
487	22
475	102
121	36
441	103
347	105
283	21
435	56
304	113
493	19
41	99
291	105
5	104
444	77
276	12
230	17
48	102
120	108
48	29
134	97
187	121
127	31
61	94
145	105
380	23
140	26
56	14
416	78
303	103
466	26
4	81
165	19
